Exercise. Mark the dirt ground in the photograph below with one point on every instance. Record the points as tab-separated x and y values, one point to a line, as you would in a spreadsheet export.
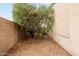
38	47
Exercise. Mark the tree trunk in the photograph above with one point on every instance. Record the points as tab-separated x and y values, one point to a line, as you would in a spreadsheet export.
32	34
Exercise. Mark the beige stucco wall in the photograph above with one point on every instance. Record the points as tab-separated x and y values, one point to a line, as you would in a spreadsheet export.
8	35
61	26
65	30
74	27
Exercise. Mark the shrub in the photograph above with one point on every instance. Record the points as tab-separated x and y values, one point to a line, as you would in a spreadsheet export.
37	20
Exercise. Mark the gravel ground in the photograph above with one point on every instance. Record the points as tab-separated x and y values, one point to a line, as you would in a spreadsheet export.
37	47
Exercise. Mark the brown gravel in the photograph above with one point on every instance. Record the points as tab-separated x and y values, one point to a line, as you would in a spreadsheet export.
38	47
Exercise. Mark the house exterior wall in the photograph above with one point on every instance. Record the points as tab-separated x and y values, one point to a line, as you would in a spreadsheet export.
61	26
8	35
74	27
65	29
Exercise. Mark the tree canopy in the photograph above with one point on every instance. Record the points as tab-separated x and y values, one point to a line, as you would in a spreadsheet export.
36	20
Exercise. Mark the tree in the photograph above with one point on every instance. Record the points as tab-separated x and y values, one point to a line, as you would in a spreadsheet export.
35	20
